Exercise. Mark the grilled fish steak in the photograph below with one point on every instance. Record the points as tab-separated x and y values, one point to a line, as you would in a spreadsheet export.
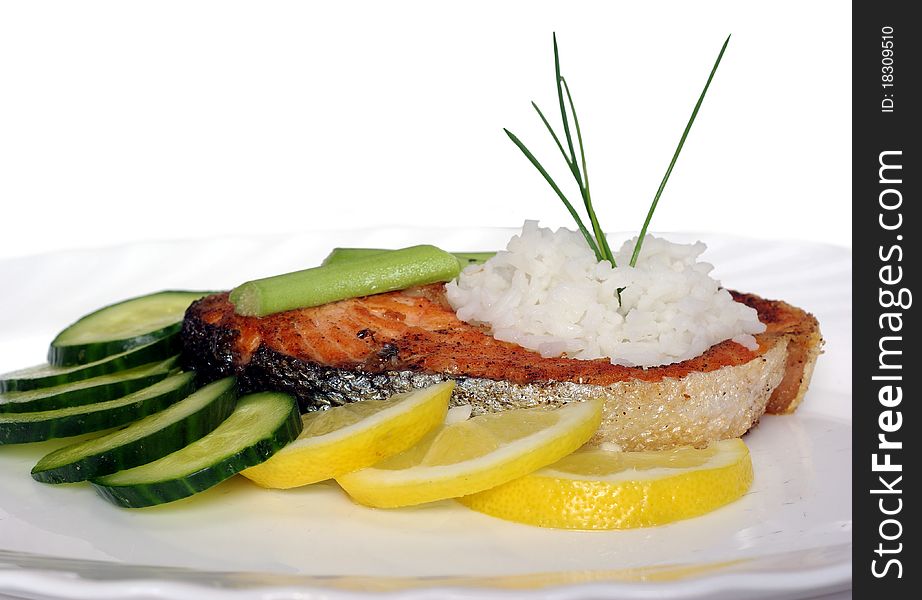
372	347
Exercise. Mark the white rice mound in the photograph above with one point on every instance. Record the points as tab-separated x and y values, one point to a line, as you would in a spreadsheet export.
547	292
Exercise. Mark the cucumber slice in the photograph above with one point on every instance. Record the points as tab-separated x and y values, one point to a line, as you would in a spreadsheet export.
143	441
18	428
120	327
260	425
42	376
96	389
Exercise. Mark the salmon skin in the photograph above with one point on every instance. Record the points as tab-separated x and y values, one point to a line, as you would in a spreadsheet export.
372	347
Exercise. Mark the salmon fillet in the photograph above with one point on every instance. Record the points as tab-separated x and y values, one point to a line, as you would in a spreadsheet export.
377	345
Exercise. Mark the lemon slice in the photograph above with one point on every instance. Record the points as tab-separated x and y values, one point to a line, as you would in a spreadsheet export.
354	436
473	455
598	489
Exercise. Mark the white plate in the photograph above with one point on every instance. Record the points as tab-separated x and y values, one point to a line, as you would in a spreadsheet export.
789	537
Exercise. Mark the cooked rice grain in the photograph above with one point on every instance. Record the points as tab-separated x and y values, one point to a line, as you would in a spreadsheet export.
548	293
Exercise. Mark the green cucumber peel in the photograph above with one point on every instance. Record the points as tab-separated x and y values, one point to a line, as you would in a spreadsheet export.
23	427
121	326
260	425
143	441
88	391
48	375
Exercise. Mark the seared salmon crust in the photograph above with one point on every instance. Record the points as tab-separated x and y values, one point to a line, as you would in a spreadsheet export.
371	347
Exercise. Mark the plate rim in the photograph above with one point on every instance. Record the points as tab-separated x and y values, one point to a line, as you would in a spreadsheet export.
51	575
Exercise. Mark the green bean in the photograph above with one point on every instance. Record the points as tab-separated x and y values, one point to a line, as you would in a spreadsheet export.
339	255
473	258
371	274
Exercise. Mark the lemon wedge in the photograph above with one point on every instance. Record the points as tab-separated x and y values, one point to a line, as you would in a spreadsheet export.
354	436
476	454
598	489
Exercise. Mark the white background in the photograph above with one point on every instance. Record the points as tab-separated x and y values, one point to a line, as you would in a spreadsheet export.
124	121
